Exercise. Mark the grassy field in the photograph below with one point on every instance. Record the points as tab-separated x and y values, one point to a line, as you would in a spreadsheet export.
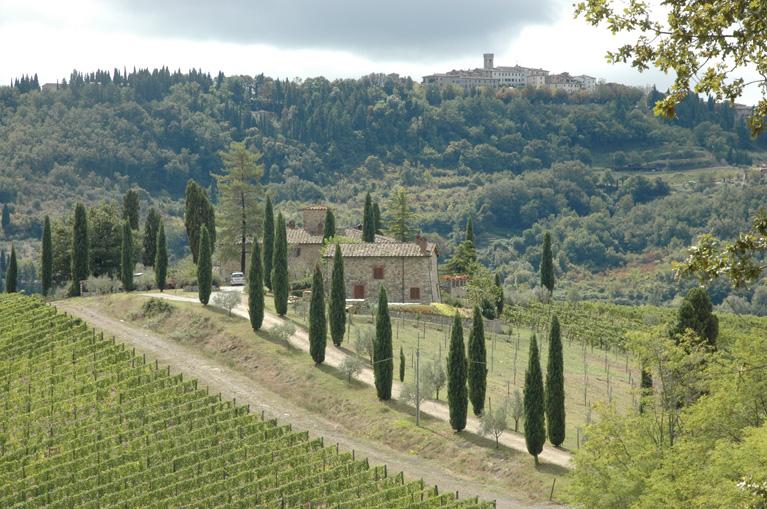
324	391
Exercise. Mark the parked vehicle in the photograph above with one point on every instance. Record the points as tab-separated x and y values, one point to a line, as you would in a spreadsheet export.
237	279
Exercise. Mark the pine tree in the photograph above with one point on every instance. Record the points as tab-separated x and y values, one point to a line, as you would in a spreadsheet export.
280	285
337	304
318	327
197	212
330	225
477	368
131	208
46	265
204	267
547	264
377	218
470	230
268	242
126	257
256	288
696	313
383	364
457	395
151	225
401	218
368	221
401	365
161	257
80	245
535	425
11	276
6	219
555	387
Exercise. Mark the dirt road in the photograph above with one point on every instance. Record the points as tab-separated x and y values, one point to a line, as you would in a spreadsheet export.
233	384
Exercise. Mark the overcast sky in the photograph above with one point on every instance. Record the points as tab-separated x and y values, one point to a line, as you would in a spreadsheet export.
302	38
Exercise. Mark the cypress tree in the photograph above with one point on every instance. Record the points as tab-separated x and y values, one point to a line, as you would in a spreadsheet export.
80	244
11	275
499	302
535	425
131	208
197	212
645	386
318	327
470	230
280	285
368	221
555	387
126	257
457	396
6	219
256	288
337	305
268	242
46	269
204	267
383	364
401	365
151	225
161	257
696	313
330	225
477	368
547	264
377	218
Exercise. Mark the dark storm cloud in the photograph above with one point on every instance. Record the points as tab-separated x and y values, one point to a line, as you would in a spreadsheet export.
381	29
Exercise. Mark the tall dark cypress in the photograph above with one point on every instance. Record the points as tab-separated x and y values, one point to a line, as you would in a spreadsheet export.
329	230
383	364
470	230
555	387
547	264
46	264
535	425
197	212
6	219
151	225
131	208
457	395
477	369
256	288
337	304
80	244
377	218
318	326
268	242
11	276
499	301
401	365
368	221
126	257
280	285
204	267
161	257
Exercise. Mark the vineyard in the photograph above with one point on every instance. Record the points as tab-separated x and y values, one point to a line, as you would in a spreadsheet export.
88	423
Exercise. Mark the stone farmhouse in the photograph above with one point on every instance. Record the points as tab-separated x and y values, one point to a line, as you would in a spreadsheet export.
408	270
515	76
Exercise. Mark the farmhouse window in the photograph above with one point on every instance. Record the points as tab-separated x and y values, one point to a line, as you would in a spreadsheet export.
415	293
378	272
359	291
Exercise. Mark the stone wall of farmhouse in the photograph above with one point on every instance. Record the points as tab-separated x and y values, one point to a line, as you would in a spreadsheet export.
400	276
302	258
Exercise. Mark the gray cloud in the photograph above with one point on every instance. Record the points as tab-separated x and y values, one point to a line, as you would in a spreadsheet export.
413	29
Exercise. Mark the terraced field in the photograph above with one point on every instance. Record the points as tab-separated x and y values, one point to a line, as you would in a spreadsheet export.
87	423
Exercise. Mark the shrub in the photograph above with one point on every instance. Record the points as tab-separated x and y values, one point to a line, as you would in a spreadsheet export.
154	307
283	331
363	343
227	300
350	367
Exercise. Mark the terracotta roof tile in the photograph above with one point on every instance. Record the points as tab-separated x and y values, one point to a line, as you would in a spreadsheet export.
383	249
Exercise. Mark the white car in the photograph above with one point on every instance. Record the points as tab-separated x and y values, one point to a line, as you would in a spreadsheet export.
237	279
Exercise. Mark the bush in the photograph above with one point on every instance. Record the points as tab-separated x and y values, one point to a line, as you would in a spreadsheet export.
350	367
363	343
283	331
145	281
102	285
154	307
227	300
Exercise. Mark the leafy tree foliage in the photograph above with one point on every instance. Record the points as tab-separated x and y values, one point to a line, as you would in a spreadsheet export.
239	200
368	221
470	230
46	262
161	256
151	227
337	304
204	266
126	256
464	258
500	300
318	327
457	395
131	208
555	387
383	362
6	219
535	425
198	212
696	313
80	248
12	273
280	284
329	228
268	241
477	367
105	229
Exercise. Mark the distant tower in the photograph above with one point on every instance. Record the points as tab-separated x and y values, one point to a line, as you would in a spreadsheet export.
488	61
